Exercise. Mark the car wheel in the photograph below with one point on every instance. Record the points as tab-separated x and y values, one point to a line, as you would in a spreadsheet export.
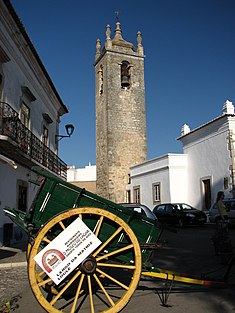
180	223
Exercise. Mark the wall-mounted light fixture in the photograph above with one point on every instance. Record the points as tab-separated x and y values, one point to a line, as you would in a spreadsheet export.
69	130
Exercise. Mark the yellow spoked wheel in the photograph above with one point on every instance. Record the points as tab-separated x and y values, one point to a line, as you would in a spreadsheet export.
104	281
48	287
29	246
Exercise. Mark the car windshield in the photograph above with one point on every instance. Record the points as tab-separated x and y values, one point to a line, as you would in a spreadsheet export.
183	206
141	209
149	213
144	210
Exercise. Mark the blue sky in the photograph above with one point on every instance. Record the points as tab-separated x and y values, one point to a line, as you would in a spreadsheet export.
189	65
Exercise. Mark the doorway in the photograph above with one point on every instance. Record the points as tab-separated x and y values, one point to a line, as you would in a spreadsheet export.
206	191
22	196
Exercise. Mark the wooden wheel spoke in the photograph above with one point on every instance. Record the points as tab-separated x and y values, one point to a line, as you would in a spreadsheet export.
103	289
46	239
62	225
129	267
41	273
107	255
44	282
65	287
90	294
80	216
77	293
113	279
98	225
107	241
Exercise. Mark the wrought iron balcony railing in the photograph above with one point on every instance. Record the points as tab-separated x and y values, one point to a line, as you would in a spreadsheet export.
25	143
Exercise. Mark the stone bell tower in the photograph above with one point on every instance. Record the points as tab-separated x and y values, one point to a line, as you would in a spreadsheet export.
120	112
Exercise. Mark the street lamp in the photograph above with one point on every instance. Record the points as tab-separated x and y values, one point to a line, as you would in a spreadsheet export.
69	130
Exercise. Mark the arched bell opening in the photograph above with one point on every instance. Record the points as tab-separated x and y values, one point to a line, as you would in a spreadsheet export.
125	74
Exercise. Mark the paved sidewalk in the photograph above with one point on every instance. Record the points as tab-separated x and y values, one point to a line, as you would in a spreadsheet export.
13	256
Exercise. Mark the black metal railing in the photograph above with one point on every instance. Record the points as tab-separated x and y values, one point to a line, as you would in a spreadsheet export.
27	142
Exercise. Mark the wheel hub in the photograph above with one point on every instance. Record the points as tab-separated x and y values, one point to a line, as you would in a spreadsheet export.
88	266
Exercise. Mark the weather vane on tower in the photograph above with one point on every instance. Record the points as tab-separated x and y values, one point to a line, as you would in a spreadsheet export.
117	15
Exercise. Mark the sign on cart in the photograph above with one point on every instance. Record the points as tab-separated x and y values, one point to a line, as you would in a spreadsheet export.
63	254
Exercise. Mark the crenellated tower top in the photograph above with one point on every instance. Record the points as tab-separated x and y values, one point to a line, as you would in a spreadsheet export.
118	42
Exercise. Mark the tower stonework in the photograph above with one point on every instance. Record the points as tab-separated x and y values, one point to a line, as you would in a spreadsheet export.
120	113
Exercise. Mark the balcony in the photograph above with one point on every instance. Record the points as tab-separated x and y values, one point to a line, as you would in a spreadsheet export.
18	143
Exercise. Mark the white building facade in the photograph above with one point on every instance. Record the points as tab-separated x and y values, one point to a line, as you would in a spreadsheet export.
30	111
163	179
205	167
83	177
87	173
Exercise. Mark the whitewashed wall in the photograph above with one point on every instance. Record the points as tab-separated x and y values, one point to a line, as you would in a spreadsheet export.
170	170
209	154
208	157
20	69
178	182
88	173
18	73
8	191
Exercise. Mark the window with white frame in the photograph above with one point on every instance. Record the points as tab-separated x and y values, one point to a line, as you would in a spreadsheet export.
136	194
128	196
26	99
45	135
3	59
24	114
45	144
156	193
23	138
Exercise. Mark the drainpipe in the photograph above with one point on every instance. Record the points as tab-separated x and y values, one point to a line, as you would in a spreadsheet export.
231	148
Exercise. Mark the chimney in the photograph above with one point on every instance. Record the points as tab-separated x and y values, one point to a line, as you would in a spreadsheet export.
185	130
228	107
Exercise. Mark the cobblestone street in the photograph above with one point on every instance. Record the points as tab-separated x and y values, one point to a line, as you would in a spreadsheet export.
189	251
13	280
13	272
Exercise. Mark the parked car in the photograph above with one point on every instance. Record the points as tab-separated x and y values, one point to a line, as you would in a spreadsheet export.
179	214
140	208
230	206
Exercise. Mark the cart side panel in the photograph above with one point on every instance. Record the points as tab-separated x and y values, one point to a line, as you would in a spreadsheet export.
52	199
147	231
56	196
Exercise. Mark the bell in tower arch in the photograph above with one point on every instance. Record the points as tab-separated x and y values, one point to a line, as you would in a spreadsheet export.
125	75
125	81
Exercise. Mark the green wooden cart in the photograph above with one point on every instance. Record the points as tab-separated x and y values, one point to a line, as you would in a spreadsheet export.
104	280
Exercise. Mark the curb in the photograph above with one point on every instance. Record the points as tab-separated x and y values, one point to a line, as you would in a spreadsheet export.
11	249
13	265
